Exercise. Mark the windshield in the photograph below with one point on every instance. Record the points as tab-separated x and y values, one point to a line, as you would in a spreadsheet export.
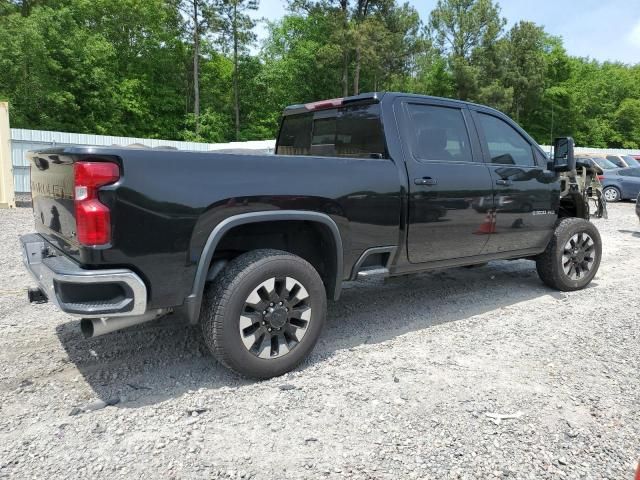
632	162
604	163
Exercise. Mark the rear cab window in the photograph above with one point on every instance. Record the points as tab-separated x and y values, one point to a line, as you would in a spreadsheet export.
351	131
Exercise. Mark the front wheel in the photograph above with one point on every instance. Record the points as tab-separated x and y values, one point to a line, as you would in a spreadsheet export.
264	313
572	256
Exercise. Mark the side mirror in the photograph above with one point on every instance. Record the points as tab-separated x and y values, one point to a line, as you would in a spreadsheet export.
563	157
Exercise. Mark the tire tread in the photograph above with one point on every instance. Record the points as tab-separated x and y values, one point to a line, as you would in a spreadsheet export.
217	298
546	264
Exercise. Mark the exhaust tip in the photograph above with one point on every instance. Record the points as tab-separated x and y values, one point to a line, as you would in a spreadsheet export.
94	327
86	326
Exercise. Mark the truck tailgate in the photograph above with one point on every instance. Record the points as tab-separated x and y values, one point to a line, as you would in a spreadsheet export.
52	193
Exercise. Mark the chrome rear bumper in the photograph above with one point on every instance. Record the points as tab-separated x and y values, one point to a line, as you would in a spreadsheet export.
86	293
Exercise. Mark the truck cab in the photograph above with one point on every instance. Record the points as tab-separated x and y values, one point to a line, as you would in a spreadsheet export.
475	184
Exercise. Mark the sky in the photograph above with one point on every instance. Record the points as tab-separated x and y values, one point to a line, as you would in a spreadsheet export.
598	29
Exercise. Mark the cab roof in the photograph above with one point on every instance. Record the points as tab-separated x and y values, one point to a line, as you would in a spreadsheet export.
370	97
373	97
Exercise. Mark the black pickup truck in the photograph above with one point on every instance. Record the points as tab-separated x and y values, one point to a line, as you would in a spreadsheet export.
251	246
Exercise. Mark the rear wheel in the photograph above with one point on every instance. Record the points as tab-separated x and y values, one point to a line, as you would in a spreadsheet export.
572	257
264	313
612	194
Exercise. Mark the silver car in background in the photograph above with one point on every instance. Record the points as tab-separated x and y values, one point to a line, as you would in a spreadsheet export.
623	161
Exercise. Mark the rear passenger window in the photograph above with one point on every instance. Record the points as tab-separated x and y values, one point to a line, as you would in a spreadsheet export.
629	172
616	161
506	146
352	131
438	133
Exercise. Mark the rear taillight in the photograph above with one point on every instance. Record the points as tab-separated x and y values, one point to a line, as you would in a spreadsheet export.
93	218
601	177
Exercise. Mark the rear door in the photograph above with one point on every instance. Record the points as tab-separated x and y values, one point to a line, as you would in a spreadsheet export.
526	196
450	192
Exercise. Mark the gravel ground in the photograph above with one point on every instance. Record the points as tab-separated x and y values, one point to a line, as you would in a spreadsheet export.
460	374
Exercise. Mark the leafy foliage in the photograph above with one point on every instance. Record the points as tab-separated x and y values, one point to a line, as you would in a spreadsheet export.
189	69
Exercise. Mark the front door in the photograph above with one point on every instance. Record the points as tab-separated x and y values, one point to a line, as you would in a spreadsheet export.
450	191
526	195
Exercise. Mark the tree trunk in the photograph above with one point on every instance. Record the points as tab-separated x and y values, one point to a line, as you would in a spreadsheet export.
236	95
356	72
25	9
344	6
345	74
196	66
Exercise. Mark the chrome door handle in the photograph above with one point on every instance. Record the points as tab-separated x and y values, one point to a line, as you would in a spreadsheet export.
503	182
425	181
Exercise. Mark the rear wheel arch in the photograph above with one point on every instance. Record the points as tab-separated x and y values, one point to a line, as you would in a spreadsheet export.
332	276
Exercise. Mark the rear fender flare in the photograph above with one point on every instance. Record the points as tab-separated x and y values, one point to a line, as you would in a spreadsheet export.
194	300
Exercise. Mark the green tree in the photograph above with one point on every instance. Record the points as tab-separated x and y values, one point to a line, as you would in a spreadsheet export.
183	68
459	28
392	46
94	66
201	18
525	68
237	33
432	77
627	123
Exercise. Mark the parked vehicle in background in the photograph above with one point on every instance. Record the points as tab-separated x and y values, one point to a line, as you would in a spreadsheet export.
638	206
620	184
587	179
623	161
596	161
251	246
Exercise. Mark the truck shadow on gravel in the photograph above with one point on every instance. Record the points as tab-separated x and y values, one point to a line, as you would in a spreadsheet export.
153	362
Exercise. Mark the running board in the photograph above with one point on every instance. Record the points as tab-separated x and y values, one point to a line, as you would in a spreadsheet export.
373	272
